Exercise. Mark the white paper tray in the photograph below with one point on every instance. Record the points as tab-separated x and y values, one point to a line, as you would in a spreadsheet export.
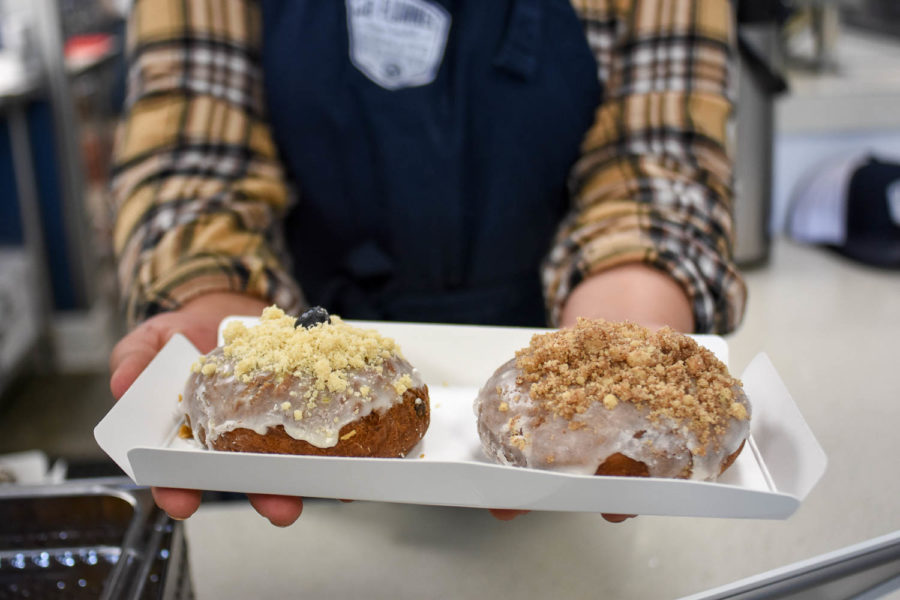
774	473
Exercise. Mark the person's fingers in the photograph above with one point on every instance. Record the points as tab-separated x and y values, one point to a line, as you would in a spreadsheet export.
123	348
281	511
128	370
145	337
612	518
131	355
507	514
179	504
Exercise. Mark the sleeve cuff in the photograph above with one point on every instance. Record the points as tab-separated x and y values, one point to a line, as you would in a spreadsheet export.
714	287
195	276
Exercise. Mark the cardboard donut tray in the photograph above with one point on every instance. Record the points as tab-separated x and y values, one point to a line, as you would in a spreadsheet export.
777	469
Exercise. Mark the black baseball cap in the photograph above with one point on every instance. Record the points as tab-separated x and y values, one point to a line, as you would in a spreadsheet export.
852	206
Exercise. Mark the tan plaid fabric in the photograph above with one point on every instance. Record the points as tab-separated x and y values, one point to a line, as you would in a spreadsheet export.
199	189
654	180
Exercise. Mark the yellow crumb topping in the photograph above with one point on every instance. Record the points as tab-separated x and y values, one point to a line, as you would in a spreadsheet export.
198	364
326	351
185	432
403	383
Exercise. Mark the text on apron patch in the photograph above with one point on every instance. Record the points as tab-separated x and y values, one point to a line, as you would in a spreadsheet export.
397	43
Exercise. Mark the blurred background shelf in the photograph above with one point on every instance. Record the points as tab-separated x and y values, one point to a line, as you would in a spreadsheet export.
60	90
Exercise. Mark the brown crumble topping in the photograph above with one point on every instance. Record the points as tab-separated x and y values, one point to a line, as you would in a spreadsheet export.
610	401
738	411
516	437
184	432
665	373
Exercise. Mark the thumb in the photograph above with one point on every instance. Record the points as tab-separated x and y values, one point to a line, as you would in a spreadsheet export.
131	355
128	370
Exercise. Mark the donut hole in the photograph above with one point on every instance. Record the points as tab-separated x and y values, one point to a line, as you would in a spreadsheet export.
620	465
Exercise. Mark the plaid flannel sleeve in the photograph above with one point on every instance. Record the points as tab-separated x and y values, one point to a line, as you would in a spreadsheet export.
654	181
197	186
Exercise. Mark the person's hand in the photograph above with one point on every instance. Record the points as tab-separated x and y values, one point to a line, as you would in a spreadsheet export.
508	514
633	292
198	320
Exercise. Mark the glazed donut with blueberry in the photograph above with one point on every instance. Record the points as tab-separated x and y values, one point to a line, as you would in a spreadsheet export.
311	385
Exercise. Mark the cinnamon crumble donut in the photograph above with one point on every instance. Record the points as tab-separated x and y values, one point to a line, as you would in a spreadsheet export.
614	399
313	385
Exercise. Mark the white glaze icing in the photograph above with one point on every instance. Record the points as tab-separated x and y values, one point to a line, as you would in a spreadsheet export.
220	402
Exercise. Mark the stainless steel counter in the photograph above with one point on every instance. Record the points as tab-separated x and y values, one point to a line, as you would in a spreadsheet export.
830	327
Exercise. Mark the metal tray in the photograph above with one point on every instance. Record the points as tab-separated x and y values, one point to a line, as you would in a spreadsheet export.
89	539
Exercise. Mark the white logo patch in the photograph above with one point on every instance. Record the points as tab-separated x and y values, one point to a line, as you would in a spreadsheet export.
397	43
893	198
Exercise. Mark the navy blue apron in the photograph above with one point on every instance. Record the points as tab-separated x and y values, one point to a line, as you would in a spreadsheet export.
433	202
